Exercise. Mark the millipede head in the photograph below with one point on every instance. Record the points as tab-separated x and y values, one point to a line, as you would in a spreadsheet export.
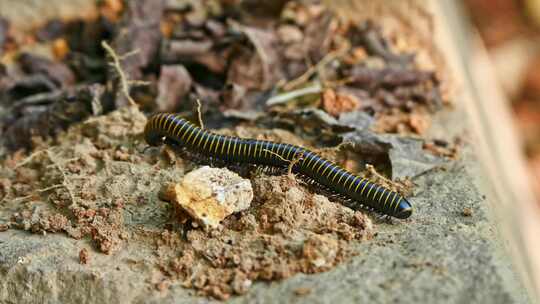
152	137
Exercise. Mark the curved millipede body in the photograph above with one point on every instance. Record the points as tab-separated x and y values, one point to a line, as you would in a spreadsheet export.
359	191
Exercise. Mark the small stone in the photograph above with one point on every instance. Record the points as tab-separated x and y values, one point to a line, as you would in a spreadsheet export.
60	48
302	291
168	193
419	123
241	283
121	155
3	227
163	285
211	194
467	211
320	252
84	256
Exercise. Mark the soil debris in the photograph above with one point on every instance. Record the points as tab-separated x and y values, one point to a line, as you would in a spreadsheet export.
467	211
288	230
302	291
4	227
444	148
84	256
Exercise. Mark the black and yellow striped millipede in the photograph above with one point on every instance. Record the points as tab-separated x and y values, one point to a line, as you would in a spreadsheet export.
359	192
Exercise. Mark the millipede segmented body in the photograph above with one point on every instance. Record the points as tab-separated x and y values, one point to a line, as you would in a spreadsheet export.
360	192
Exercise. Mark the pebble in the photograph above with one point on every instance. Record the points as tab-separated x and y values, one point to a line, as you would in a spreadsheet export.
209	195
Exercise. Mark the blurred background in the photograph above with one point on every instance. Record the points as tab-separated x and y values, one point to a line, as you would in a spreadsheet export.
510	30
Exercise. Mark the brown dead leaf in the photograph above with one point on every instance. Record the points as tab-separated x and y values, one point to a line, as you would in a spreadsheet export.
419	123
259	68
335	103
173	85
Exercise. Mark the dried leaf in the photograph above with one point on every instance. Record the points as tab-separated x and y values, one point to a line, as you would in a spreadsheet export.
174	84
259	69
57	72
336	103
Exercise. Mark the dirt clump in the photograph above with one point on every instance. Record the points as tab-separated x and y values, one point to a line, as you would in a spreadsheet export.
287	230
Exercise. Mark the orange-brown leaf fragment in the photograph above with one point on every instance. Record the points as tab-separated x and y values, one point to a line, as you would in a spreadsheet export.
335	103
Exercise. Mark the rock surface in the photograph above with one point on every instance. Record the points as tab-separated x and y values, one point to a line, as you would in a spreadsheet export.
438	255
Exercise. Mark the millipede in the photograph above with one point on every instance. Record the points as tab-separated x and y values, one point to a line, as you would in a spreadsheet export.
358	192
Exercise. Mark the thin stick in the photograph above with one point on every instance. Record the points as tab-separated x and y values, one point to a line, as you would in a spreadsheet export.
313	69
283	98
64	177
124	82
372	170
336	148
21	198
295	160
129	54
28	159
199	113
65	161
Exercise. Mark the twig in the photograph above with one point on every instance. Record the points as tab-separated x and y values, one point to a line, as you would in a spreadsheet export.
338	147
338	82
329	57
28	159
139	83
199	113
297	157
295	160
372	170
275	154
64	177
128	54
22	198
124	82
55	163
65	161
404	186
50	188
283	98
